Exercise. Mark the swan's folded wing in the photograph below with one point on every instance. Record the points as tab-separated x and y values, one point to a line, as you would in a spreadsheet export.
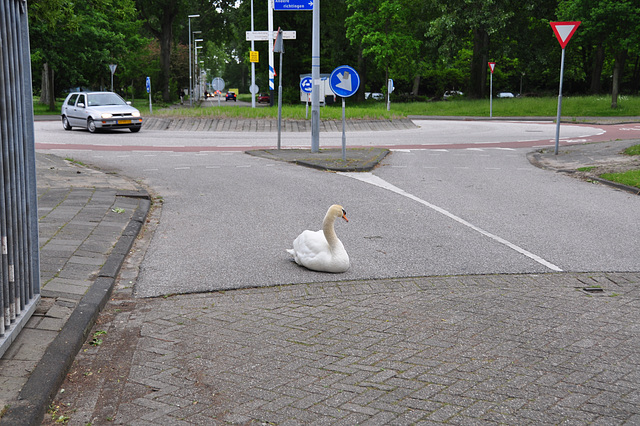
310	247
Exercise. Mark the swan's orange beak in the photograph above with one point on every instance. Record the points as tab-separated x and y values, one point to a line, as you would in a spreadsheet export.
344	215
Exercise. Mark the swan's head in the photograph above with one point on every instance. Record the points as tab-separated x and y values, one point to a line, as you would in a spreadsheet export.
338	211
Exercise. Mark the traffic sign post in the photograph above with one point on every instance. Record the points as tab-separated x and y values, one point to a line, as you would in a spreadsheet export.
278	47
563	31
112	67
218	85
390	88
306	85
344	81
492	66
149	92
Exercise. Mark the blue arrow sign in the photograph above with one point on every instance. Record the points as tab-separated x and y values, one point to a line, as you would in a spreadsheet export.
344	81
148	84
306	85
293	5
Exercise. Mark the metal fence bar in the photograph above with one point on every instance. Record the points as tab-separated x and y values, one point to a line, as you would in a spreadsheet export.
19	264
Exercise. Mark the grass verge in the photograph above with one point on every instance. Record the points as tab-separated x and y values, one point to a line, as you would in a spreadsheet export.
629	178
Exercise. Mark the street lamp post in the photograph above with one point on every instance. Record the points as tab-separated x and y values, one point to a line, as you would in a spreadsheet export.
190	83
195	65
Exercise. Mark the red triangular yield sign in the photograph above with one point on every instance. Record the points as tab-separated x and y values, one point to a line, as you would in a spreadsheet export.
564	31
492	65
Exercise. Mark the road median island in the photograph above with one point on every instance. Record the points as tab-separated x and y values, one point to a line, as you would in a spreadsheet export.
357	159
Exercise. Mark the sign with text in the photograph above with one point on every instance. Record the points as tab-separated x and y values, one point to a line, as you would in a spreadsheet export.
264	35
293	5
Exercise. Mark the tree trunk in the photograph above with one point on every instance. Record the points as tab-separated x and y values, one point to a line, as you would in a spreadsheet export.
416	85
596	70
44	88
362	68
618	69
166	37
479	63
47	93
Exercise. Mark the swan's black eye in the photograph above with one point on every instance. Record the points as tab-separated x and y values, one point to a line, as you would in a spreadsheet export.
344	212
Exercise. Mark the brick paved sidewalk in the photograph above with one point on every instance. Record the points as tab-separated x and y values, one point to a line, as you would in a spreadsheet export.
514	349
87	222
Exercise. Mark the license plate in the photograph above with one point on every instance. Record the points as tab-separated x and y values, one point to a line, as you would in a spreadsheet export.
124	121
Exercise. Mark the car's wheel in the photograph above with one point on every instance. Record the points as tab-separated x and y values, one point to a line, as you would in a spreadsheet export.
135	129
91	125
65	123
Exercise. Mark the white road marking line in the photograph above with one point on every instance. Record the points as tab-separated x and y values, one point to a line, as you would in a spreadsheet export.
372	179
182	168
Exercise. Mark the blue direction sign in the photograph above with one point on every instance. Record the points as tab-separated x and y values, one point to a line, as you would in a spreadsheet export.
306	85
344	81
293	5
148	84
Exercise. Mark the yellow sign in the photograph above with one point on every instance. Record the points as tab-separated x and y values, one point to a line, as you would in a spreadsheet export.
253	56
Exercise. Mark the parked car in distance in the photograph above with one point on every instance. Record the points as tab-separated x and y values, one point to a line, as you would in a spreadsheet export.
230	96
505	95
451	94
376	96
264	97
99	110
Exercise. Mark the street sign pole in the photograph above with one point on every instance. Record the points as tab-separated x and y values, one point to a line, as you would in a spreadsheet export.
112	67
306	85
149	92
492	66
315	76
253	65
563	31
279	47
344	82
271	65
559	105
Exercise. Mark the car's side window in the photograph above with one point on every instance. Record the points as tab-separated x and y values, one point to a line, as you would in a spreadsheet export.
72	100
81	100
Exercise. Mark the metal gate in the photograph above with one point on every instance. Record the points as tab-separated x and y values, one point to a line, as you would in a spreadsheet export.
20	266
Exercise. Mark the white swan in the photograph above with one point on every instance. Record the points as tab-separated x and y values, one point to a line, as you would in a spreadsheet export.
322	250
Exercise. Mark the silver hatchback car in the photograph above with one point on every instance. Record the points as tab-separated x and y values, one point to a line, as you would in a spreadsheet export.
99	110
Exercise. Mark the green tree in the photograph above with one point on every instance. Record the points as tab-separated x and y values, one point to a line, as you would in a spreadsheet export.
385	32
611	27
76	41
461	20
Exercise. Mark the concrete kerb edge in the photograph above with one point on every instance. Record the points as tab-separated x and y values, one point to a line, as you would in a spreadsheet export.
534	158
45	380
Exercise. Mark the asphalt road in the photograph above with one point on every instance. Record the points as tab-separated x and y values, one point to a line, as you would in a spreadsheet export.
227	217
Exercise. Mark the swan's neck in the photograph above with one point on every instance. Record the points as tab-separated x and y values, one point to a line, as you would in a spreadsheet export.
329	231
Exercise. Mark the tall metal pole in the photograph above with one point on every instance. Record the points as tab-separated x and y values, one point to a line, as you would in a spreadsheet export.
559	104
190	72
280	98
315	77
253	64
271	64
491	96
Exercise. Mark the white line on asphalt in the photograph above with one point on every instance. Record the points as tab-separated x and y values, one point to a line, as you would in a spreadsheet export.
372	179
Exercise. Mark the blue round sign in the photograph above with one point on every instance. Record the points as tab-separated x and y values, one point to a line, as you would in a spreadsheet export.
344	81
306	84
